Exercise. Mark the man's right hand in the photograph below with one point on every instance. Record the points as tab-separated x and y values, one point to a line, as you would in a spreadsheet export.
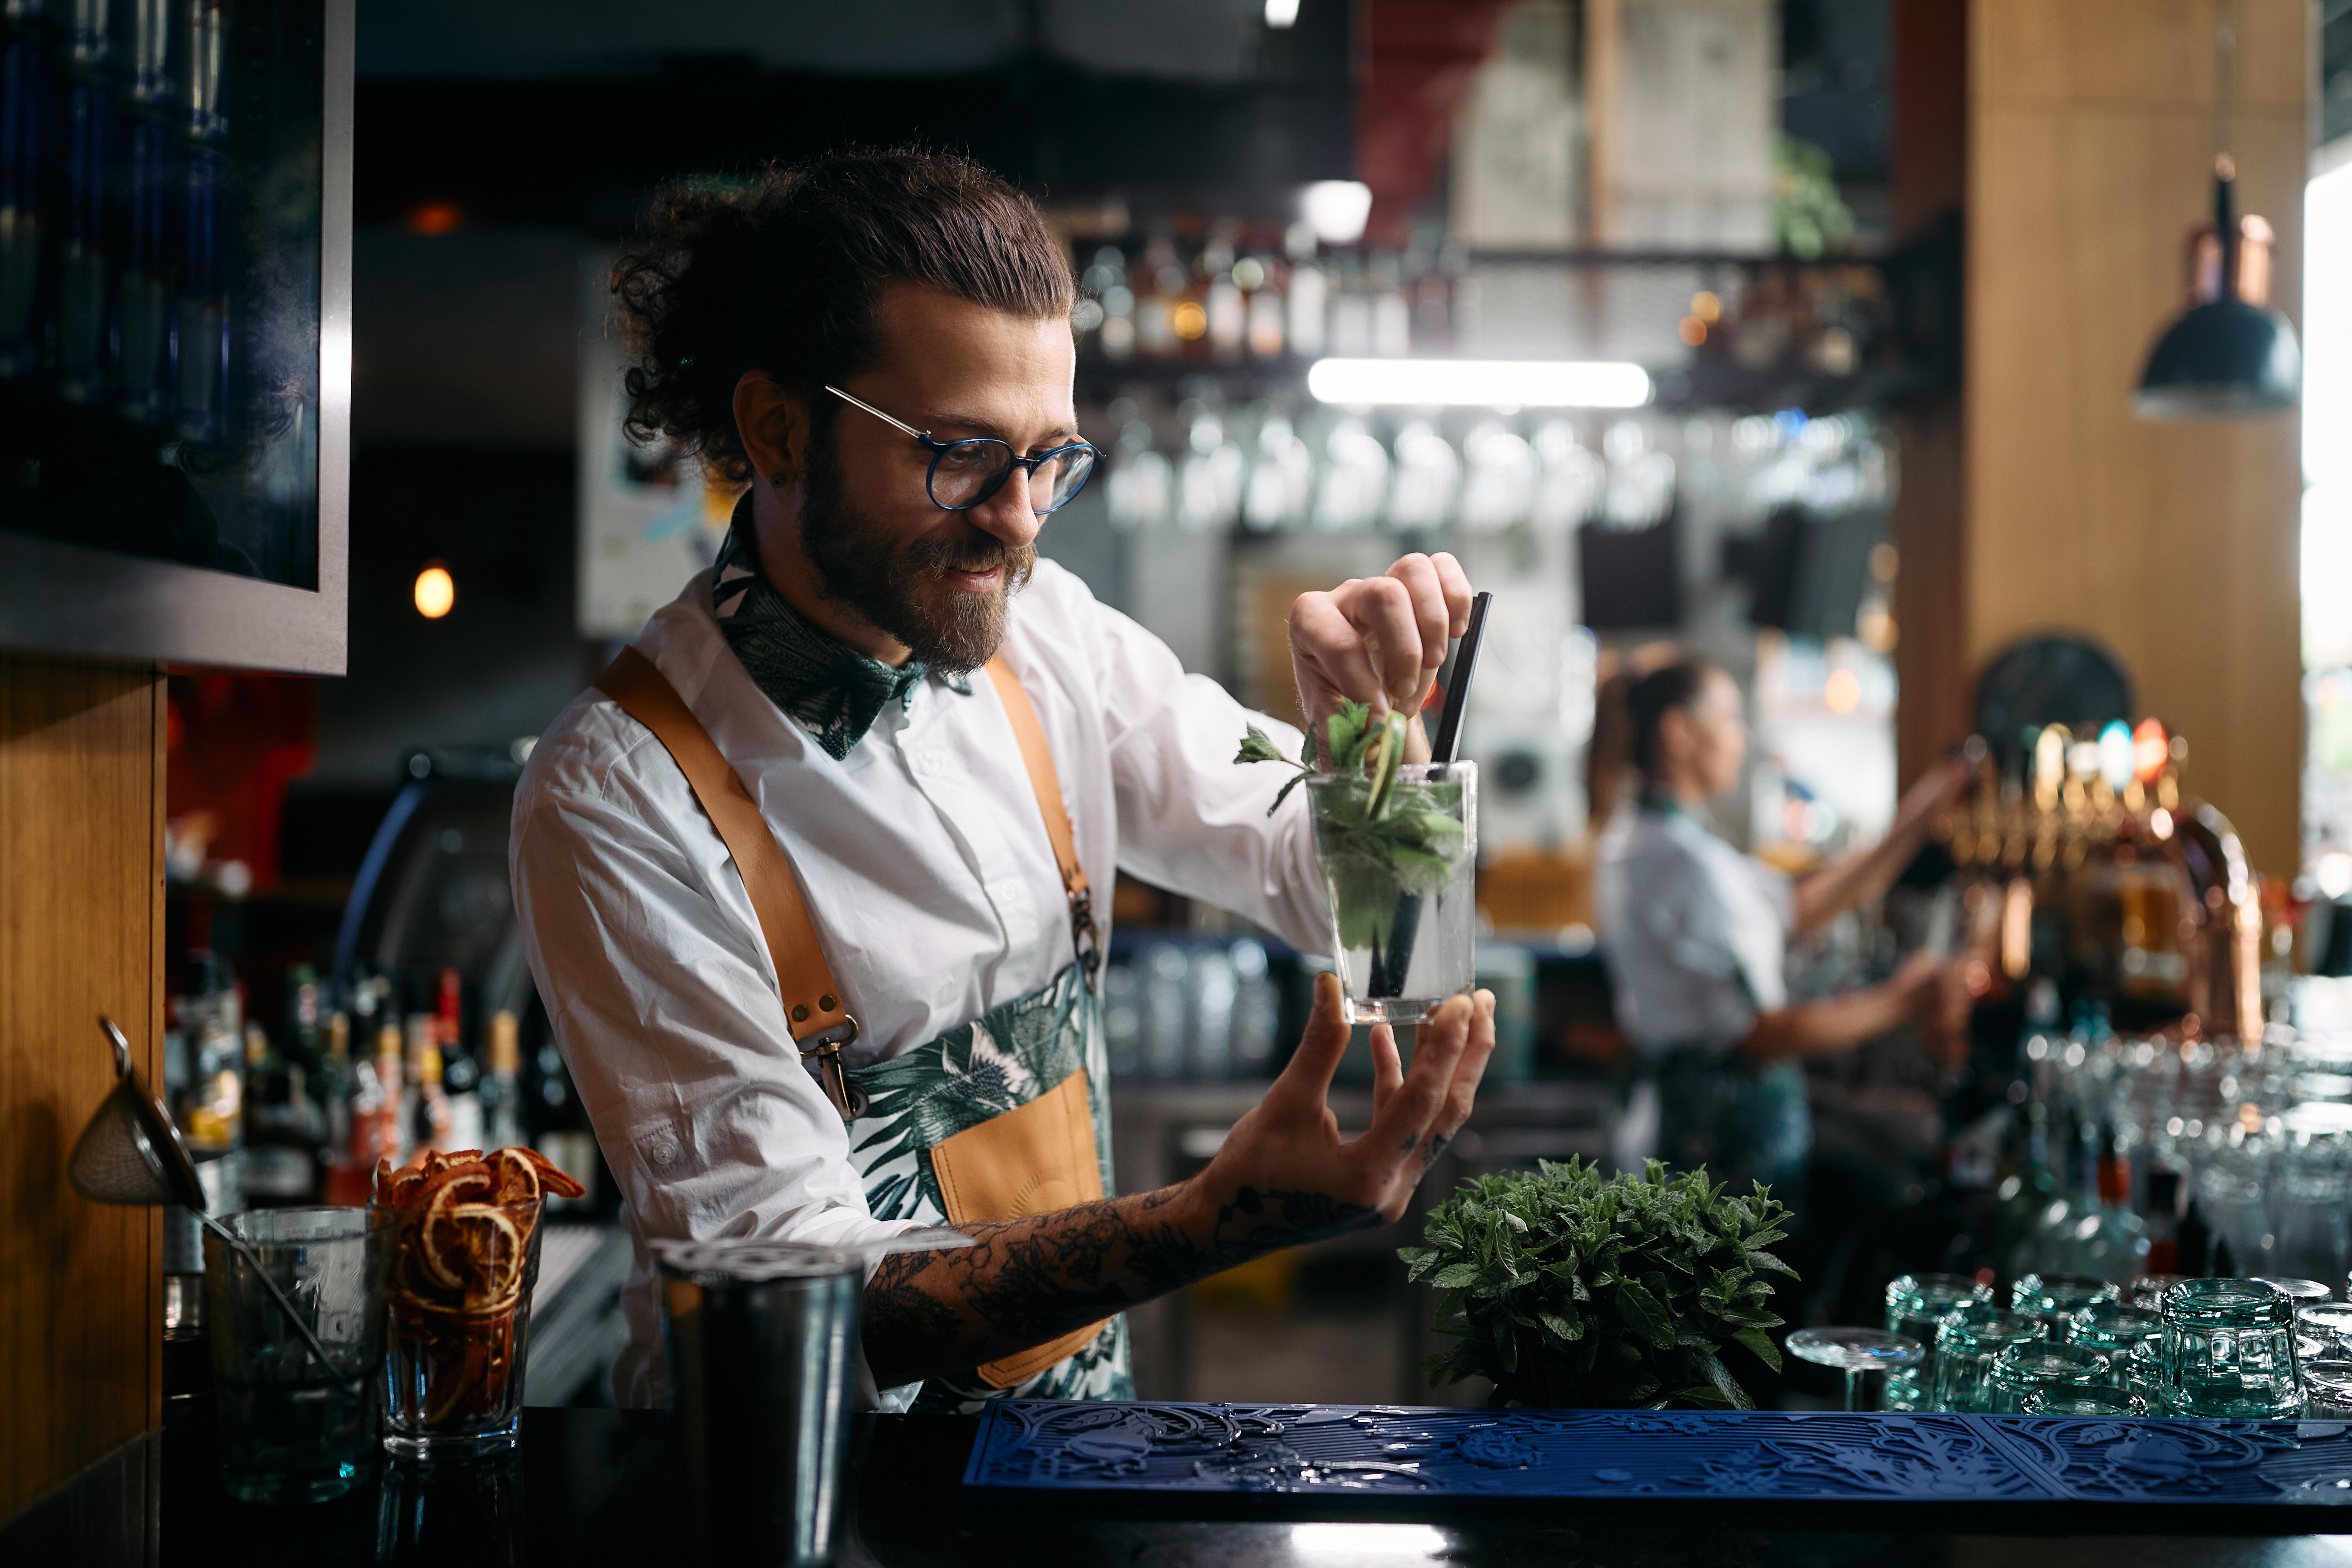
1284	1167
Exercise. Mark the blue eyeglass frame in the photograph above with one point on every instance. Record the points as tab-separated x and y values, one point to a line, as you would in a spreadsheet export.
940	449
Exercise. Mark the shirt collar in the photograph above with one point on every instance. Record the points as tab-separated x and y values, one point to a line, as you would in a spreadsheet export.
833	691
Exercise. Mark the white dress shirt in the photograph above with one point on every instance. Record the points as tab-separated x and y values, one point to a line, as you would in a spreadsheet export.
1696	932
926	872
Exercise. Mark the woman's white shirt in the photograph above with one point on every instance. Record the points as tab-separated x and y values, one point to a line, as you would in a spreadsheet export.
1696	932
926	872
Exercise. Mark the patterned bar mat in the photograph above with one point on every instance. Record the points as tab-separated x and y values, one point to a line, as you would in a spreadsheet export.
1398	1451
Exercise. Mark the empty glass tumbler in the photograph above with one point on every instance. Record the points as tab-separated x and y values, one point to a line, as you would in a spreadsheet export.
2148	1291
2055	1297
2131	1338
2329	1322
1965	1348
297	1398
2228	1350
2039	1366
1916	1306
2327	1390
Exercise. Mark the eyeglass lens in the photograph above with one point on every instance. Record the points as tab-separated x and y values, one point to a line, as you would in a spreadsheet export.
968	473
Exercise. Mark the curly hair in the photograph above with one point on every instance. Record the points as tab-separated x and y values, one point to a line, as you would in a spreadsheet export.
782	274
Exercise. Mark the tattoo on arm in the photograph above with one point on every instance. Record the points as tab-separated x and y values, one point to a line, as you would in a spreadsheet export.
1025	1282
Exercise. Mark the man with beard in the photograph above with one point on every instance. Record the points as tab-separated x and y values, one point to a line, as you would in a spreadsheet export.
806	880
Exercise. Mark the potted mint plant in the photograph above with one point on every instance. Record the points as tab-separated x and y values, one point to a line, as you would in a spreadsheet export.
1565	1288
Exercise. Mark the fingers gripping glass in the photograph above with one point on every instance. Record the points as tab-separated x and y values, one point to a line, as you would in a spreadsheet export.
965	473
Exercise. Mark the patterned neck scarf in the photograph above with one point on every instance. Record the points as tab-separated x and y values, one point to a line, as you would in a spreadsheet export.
834	691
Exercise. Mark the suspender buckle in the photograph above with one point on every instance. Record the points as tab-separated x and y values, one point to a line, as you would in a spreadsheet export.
824	1047
1086	937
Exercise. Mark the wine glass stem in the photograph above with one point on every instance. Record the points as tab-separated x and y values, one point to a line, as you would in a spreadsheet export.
1859	1394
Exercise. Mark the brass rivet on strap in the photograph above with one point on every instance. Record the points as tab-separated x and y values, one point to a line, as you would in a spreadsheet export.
800	1013
826	1004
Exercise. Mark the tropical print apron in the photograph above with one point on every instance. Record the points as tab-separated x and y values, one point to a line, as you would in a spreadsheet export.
921	1097
1006	1116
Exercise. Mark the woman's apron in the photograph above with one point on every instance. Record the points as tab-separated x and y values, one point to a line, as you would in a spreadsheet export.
1006	1116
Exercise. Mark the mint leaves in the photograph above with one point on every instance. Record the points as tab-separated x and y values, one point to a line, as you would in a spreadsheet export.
1383	840
1567	1289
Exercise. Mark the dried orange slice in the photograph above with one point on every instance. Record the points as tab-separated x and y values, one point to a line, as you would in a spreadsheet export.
517	1178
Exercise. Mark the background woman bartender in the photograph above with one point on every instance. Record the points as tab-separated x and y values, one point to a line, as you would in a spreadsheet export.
1696	934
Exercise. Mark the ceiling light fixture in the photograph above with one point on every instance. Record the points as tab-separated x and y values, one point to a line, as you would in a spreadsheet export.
1281	13
1480	382
1336	210
2229	355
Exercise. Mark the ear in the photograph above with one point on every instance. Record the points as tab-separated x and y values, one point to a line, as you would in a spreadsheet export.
1675	734
773	425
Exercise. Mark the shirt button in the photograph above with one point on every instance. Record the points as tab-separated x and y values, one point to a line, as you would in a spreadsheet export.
661	1152
928	764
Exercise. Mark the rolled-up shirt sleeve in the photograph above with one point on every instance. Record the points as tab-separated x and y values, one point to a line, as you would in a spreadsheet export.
1190	819
667	1011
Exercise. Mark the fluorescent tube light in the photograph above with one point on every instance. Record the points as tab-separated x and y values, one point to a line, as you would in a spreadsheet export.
1481	382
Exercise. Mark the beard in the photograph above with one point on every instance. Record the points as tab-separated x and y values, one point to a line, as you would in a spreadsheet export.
903	591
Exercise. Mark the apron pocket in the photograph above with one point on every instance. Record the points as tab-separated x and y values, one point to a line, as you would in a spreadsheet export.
1033	1159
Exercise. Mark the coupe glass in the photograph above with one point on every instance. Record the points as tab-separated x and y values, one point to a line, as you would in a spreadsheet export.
2130	1338
1859	1353
2055	1297
2089	1399
2038	1366
1916	1306
1965	1350
1404	903
2228	1350
2302	1293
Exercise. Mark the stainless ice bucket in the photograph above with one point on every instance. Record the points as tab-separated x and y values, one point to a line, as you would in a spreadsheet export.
763	1374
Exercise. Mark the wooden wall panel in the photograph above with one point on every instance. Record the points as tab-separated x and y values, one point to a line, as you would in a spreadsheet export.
81	801
2090	156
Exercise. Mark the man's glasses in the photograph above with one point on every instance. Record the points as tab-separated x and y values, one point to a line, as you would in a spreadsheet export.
966	473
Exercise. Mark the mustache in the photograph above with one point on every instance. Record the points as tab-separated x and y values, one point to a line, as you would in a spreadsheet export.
928	557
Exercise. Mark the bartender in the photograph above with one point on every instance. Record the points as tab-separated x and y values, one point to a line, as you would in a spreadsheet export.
1697	935
808	879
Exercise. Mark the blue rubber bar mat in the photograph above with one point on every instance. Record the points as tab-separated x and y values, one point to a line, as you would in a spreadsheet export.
1392	1451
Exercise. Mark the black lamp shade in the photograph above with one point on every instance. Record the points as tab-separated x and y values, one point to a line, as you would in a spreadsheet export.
2224	359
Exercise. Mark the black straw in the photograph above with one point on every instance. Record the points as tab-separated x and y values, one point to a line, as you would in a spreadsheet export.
1457	690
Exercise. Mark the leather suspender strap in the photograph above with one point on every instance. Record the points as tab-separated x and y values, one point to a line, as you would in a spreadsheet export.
1086	937
821	1026
820	1023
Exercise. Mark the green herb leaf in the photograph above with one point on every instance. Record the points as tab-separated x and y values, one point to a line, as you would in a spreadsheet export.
1258	747
1761	1344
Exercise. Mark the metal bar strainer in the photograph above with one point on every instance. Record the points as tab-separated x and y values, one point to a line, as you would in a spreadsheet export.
130	1154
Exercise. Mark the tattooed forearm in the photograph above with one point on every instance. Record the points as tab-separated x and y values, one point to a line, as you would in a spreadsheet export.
1025	1282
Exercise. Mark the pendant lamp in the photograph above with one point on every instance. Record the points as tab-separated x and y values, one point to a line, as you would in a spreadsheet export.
2228	356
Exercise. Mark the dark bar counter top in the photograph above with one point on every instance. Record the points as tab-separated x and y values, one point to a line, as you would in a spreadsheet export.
588	1488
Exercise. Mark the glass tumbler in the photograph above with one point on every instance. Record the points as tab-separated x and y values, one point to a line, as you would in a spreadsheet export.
2147	1292
297	1400
2329	1322
2327	1390
1916	1306
2131	1338
2038	1366
2228	1350
459	1323
1966	1347
1402	875
2092	1399
2055	1297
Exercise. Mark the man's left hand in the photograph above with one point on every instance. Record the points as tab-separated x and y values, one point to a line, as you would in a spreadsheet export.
1380	640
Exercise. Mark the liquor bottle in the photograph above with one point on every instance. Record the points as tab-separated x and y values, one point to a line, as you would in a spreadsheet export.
560	1128
1307	294
377	1130
2114	1244
211	1109
335	1108
1392	309
425	1105
459	1074
501	1087
1159	289
1255	276
2160	1214
281	1147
